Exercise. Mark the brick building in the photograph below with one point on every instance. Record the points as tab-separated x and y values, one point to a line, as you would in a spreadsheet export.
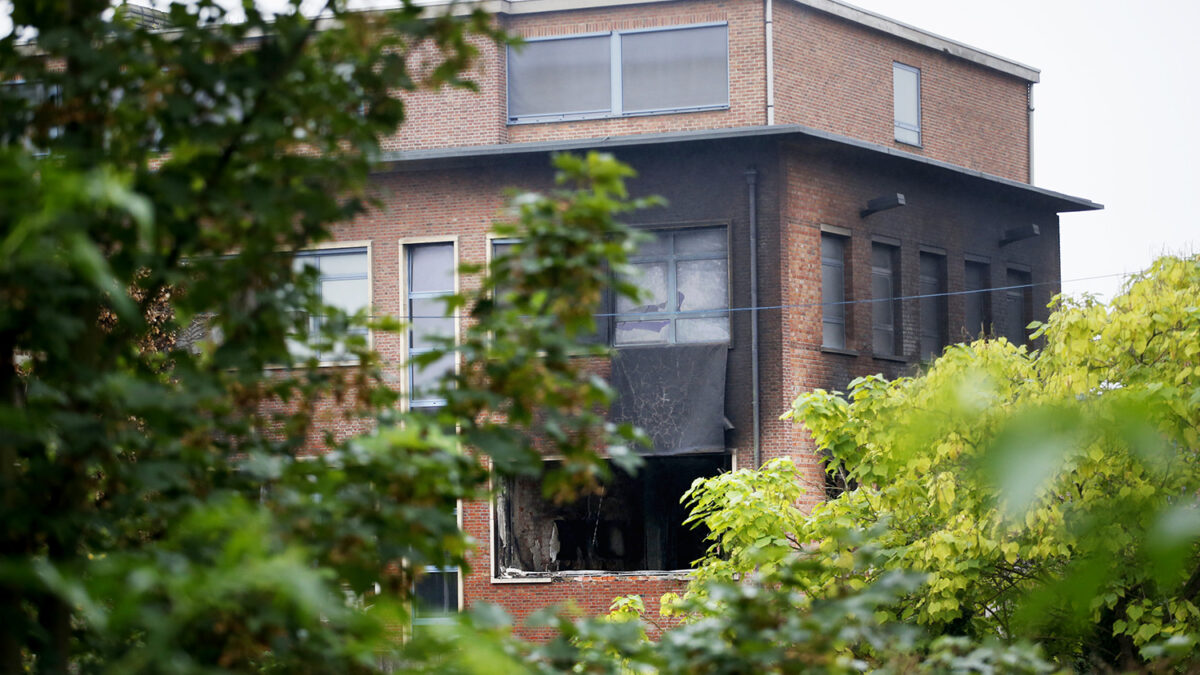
765	124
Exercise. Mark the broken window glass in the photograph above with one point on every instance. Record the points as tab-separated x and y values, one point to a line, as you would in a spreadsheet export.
684	277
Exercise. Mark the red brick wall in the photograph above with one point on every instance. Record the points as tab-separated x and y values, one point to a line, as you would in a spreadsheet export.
831	74
830	187
454	116
449	118
800	186
835	75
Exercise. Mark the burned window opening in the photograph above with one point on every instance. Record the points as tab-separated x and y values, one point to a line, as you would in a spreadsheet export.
636	524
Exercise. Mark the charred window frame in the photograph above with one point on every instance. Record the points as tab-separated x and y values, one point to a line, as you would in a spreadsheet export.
833	290
430	277
977	315
885	308
634	525
685	275
934	321
1018	305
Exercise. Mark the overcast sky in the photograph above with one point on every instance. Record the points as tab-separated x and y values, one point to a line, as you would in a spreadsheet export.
1117	113
1116	120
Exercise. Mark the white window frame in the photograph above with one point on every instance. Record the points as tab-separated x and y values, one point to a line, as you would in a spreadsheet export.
406	297
905	126
672	260
616	102
337	248
447	617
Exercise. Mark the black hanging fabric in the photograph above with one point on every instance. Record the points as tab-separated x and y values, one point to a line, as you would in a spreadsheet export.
675	394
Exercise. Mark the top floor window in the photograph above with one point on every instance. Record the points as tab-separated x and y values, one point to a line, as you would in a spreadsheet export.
906	102
619	73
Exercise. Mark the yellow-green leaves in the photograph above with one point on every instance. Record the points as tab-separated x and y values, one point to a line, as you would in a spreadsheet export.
1047	492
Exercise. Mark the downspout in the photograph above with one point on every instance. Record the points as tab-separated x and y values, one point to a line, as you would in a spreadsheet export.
769	40
751	193
1029	100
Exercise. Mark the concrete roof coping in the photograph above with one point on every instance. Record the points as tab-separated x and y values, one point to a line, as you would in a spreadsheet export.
419	158
835	7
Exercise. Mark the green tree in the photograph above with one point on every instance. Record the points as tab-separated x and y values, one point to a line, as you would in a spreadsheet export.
153	514
1048	495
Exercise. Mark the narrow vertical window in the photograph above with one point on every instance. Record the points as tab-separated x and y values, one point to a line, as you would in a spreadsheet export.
906	103
885	310
430	272
934	324
1018	306
977	319
833	291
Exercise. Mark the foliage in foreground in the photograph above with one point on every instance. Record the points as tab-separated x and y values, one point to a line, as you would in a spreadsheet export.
154	516
1049	496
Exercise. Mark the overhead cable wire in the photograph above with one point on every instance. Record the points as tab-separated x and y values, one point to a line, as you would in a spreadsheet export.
809	305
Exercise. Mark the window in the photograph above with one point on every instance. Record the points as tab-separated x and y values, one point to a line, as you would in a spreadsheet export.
435	596
342	282
684	275
501	247
21	101
885	310
1018	306
430	278
833	291
978	314
619	73
906	103
636	524
934	322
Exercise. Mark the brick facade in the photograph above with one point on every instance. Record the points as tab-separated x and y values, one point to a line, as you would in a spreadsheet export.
832	75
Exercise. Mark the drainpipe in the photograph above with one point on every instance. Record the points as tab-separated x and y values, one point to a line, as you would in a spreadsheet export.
1029	99
751	193
769	40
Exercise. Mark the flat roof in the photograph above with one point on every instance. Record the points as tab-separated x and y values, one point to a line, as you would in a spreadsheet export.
835	7
420	159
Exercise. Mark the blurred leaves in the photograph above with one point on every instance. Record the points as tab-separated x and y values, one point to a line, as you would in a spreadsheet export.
1047	494
172	497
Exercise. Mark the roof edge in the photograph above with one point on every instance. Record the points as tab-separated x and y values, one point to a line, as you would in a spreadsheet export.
415	158
924	38
837	8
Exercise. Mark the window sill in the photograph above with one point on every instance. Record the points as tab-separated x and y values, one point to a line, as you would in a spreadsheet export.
889	357
546	119
548	577
728	344
838	350
300	365
909	145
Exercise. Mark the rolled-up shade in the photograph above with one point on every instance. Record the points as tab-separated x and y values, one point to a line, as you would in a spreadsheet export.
664	70
560	77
